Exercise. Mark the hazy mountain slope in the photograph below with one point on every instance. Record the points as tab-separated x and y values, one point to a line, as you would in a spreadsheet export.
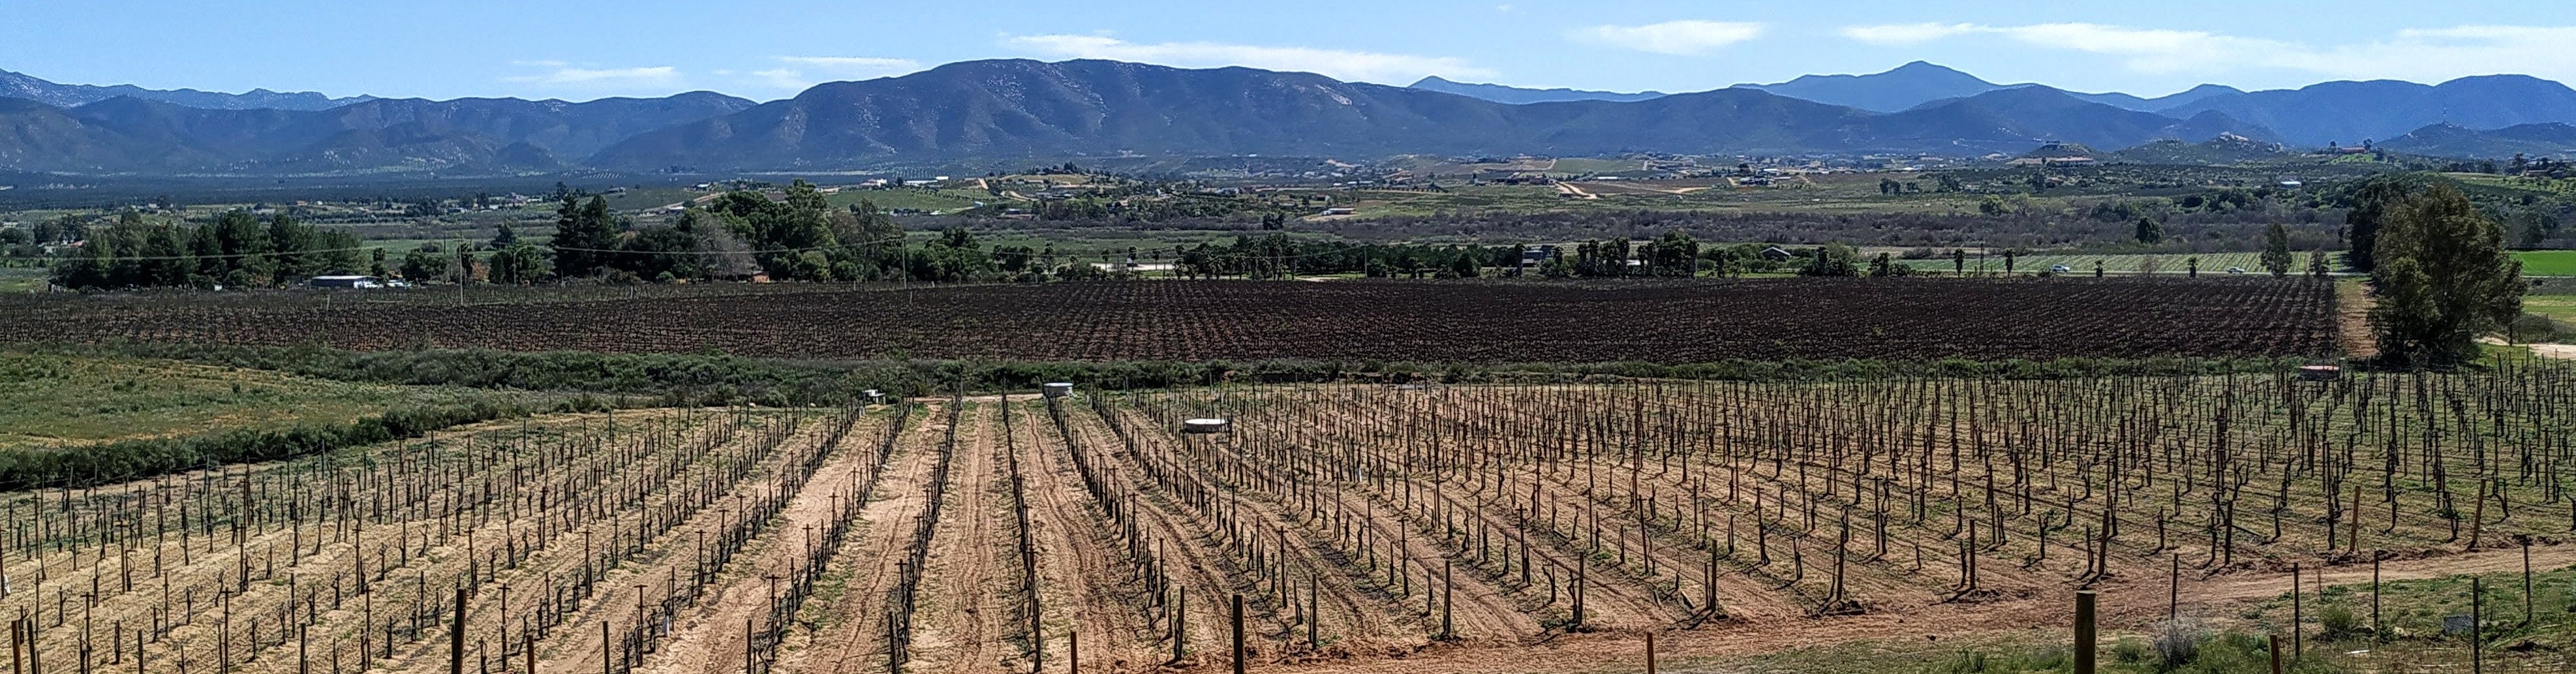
2010	120
2551	139
2350	112
1905	87
1519	95
17	85
999	110
1006	109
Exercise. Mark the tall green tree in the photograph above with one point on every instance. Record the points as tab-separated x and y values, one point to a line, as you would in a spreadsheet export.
2276	249
2150	231
2442	278
585	236
2369	205
1832	259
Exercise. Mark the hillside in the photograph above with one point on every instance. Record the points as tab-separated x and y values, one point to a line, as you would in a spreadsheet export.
2451	140
28	87
2224	149
135	135
2351	112
1518	95
1004	112
996	110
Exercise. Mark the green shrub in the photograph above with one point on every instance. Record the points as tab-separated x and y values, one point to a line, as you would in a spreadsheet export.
2339	623
123	460
2130	650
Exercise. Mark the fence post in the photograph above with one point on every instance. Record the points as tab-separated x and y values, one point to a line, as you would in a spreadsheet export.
2298	637
2477	626
1237	614
456	637
2084	635
1650	652
2276	653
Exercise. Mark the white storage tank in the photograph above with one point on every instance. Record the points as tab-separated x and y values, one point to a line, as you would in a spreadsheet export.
1203	426
1059	389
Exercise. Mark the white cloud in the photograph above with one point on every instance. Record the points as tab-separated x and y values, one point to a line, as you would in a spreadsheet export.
2416	54
806	71
1338	64
1897	34
1679	38
604	78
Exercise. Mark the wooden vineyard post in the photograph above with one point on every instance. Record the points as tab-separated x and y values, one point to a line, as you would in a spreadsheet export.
2084	636
2477	625
2173	593
17	646
1237	618
2276	652
1073	652
1315	613
1576	591
1708	587
2298	642
1446	626
2526	581
605	665
1180	620
2375	630
456	637
1650	652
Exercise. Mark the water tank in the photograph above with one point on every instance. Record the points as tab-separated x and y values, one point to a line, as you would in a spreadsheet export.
1203	426
1059	389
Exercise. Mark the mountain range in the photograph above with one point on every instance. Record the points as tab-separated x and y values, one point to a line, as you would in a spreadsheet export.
16	85
1002	113
1508	94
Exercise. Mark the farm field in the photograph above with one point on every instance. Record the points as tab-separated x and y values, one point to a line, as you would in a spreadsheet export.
2547	262
1664	322
2178	264
1362	528
48	399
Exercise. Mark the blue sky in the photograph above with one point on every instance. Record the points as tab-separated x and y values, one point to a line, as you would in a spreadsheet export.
767	50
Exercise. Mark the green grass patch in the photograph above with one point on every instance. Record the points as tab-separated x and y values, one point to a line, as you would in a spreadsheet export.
23	279
52	399
2547	262
2410	635
917	198
2228	652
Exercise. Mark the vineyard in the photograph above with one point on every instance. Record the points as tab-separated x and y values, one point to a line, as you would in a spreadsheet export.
1350	527
1661	322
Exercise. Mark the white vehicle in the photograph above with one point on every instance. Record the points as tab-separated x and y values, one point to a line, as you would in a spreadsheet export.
2235	270
2062	269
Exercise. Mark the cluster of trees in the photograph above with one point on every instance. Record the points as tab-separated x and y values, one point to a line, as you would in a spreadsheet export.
2438	266
1277	255
742	233
237	249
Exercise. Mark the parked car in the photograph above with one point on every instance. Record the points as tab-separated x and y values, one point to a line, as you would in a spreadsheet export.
2235	270
2062	269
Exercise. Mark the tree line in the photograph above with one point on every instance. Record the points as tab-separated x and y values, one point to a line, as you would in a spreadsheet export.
235	250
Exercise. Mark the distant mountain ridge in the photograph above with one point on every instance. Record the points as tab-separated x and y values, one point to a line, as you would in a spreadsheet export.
18	85
1517	95
2451	140
1014	109
1002	112
132	135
